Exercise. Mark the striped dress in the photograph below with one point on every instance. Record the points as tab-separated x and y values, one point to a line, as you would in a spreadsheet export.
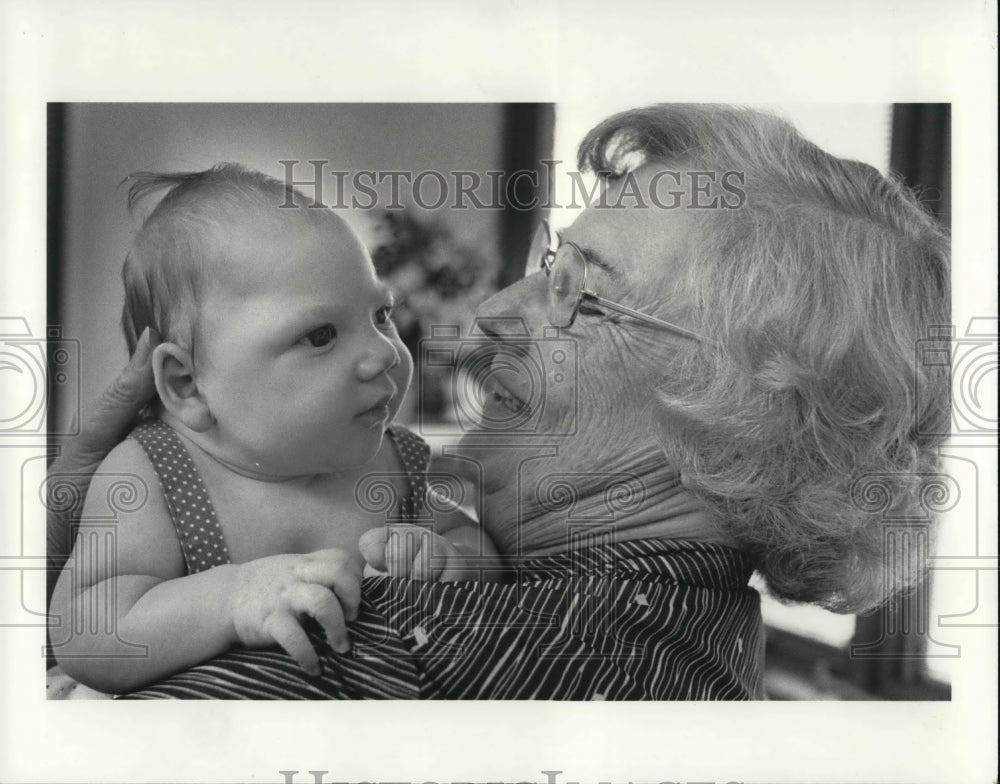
639	620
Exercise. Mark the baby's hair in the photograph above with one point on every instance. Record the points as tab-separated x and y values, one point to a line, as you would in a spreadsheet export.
184	235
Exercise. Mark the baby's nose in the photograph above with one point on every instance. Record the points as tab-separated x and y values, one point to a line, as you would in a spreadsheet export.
380	358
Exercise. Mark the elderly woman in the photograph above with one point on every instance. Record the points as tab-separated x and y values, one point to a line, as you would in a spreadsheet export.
752	330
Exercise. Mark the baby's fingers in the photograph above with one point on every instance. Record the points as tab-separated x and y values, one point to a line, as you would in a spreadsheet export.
317	602
339	572
285	630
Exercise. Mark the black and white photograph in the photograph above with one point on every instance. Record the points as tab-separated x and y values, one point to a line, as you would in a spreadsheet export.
612	415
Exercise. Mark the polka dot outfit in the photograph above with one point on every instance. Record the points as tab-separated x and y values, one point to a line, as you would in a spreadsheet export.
190	505
415	455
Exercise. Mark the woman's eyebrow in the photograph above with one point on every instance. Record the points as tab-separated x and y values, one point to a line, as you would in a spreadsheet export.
591	256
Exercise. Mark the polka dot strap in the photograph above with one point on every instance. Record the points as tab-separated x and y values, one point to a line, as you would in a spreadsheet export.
415	456
187	498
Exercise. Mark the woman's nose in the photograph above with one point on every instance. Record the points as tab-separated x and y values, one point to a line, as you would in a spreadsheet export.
380	357
518	311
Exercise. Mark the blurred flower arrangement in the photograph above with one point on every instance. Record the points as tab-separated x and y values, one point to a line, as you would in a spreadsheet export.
436	281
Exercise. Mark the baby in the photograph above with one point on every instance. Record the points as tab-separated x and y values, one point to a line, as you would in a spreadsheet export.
278	375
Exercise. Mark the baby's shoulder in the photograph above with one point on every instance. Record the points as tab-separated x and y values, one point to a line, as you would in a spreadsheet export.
125	500
128	452
125	474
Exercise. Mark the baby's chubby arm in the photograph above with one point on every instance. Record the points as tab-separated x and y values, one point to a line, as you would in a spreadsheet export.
457	549
125	613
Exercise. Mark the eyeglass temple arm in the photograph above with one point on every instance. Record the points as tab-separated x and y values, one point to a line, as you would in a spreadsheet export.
644	317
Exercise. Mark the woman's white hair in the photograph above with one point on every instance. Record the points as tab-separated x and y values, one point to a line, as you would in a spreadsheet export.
814	294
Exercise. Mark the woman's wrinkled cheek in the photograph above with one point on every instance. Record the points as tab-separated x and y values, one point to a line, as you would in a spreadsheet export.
613	370
604	412
615	385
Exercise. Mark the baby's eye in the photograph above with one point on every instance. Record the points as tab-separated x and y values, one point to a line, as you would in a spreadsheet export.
383	316
321	336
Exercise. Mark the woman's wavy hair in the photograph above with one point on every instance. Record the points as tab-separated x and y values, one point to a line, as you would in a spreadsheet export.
813	294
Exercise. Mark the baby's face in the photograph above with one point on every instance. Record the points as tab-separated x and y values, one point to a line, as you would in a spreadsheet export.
300	363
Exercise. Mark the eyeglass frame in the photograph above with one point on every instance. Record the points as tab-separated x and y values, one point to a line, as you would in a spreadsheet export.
545	263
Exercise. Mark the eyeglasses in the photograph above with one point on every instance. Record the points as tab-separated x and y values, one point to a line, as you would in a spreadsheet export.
566	268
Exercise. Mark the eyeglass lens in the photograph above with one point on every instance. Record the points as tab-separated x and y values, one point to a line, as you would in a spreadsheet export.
566	286
566	276
541	242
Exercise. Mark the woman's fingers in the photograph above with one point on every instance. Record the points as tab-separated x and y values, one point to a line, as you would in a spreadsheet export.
399	552
402	551
115	410
409	551
372	546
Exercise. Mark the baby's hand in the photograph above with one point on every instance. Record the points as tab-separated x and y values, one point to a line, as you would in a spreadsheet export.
273	593
409	551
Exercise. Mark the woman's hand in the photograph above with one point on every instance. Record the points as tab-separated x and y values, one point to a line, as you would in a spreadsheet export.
273	593
411	551
100	431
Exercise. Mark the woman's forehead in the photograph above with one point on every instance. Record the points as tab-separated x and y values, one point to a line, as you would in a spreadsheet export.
630	236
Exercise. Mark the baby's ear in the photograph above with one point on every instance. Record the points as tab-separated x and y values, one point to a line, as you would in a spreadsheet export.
173	370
